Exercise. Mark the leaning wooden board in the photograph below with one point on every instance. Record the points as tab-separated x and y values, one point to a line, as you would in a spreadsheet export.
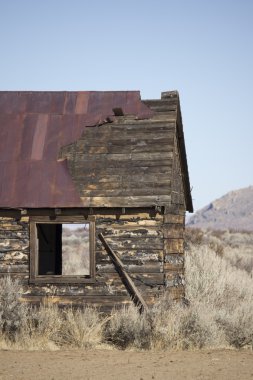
137	297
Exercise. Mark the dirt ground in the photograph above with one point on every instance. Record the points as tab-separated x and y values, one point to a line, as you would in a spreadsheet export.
124	365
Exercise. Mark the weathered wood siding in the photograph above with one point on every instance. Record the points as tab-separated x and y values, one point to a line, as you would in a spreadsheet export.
127	163
150	246
14	247
177	188
174	250
174	226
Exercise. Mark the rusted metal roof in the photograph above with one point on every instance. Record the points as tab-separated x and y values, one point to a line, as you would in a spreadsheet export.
33	128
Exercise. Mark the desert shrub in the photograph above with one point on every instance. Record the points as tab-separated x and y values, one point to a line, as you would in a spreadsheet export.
198	328
217	248
128	328
178	325
241	258
12	311
223	292
82	327
193	236
217	233
237	325
42	328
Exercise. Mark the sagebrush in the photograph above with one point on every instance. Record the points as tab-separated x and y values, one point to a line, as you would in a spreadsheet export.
217	311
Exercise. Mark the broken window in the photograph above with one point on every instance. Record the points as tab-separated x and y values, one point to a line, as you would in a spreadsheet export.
63	251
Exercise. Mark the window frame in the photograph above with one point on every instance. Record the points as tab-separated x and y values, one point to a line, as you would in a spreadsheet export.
34	277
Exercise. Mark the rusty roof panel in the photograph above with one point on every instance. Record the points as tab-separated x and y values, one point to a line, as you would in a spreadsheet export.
33	128
82	101
39	137
69	103
28	129
57	103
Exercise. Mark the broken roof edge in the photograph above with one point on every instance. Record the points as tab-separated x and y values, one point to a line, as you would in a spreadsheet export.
72	102
183	157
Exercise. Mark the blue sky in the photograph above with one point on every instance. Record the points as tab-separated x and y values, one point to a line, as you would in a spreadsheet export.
202	48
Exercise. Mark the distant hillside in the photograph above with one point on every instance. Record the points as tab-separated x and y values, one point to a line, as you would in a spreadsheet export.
232	211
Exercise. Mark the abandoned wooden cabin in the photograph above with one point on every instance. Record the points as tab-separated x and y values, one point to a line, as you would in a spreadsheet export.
85	176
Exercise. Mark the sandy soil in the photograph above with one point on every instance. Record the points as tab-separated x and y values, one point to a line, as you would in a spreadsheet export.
110	364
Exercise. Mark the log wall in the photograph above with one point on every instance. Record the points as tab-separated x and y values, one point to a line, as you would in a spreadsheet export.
150	246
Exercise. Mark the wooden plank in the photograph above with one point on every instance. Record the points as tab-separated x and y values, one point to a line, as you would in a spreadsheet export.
95	290
125	183
172	109
54	279
137	216
173	231
127	157
165	116
130	231
147	139
147	279
129	139
14	244
22	278
137	297
10	213
101	165
16	234
131	214
87	170
127	201
174	219
144	191
20	268
150	267
129	181
149	125
173	262
174	246
61	219
17	259
130	224
174	279
132	257
103	303
169	102
81	300
102	214
126	148
135	242
136	129
10	227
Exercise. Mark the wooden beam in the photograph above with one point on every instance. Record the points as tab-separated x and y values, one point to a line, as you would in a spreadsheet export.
134	292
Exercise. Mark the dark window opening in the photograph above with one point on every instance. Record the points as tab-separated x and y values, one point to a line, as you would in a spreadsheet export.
63	249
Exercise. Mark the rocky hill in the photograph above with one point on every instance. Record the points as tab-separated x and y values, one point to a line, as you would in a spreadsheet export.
232	211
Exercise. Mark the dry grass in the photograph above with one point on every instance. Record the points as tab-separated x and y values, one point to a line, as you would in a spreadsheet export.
221	286
128	328
12	311
41	329
218	313
82	328
180	326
